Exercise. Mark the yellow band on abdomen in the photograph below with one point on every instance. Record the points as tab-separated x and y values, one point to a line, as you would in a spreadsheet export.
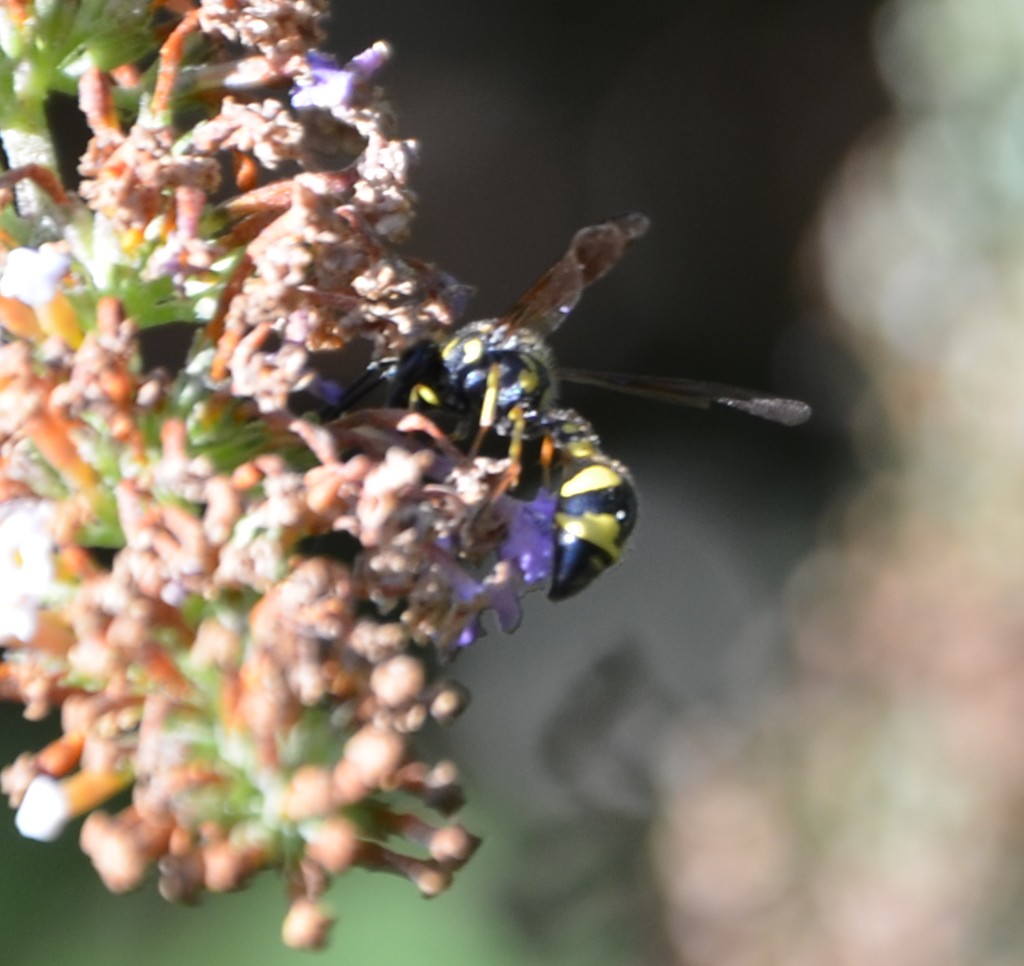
600	529
597	476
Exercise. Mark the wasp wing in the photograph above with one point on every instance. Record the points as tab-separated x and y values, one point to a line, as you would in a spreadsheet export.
592	253
688	392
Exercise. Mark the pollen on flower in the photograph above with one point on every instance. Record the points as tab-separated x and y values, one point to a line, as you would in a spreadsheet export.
33	275
26	565
44	810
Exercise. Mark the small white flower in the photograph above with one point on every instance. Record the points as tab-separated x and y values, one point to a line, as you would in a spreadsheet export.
44	811
26	565
33	275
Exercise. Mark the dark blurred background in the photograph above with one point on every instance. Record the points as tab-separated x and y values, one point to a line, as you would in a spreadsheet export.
724	122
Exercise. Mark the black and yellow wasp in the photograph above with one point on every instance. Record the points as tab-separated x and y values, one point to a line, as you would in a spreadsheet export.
499	375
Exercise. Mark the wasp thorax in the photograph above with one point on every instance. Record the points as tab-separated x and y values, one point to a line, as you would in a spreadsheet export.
512	371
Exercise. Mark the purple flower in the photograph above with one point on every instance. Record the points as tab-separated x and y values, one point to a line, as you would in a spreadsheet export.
530	543
331	87
470	632
498	592
529	548
503	596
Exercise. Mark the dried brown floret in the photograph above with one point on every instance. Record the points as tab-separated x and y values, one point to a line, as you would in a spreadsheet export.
241	613
266	130
277	29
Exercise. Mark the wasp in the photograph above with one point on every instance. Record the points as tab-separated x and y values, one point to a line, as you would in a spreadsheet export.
499	375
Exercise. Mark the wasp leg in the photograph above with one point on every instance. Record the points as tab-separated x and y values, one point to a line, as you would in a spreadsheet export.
510	478
422	394
342	399
515	447
488	409
548	452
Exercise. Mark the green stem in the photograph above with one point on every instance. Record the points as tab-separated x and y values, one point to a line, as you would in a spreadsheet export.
28	144
24	131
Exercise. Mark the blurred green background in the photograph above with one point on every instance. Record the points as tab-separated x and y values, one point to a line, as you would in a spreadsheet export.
784	731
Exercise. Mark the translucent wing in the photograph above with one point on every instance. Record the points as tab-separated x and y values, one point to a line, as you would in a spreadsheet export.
592	253
687	392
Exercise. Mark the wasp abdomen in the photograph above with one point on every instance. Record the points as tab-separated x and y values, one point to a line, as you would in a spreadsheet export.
594	517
